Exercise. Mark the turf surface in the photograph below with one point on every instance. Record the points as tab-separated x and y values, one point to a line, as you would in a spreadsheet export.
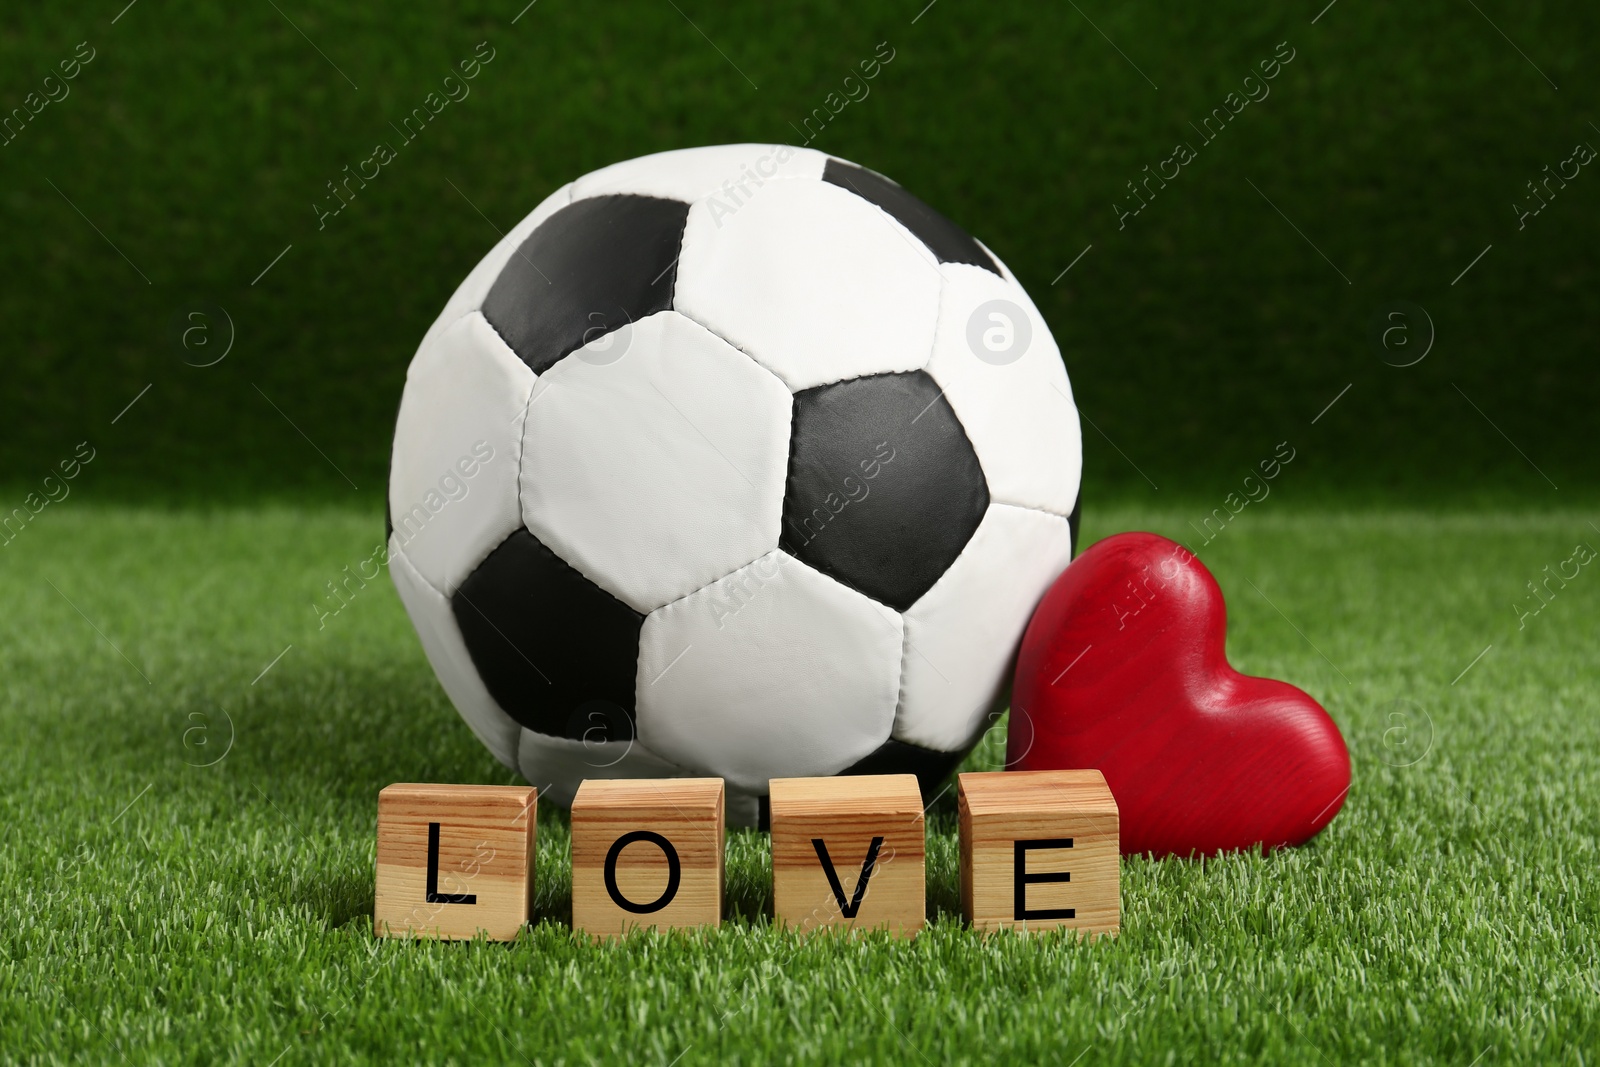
163	911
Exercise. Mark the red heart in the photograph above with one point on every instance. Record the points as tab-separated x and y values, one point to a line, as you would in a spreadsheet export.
1123	668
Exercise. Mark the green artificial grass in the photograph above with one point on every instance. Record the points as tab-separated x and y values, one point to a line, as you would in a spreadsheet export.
163	911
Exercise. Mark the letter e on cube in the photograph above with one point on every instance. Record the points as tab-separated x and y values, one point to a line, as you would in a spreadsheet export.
1040	850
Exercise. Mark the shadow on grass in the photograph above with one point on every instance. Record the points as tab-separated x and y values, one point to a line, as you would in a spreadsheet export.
346	898
747	893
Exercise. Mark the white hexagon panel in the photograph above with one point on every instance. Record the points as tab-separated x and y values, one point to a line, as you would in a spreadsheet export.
812	281
773	671
654	460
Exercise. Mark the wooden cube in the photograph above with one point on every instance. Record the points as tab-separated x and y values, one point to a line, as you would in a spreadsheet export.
848	852
646	852
454	860
1039	850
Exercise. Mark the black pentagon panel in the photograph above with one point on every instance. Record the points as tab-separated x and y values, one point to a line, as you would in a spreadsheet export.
884	488
595	265
556	651
899	757
947	241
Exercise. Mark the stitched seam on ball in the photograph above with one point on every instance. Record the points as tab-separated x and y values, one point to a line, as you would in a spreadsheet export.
900	682
1064	516
522	431
522	437
522	447
794	444
683	250
828	573
516	249
1028	507
714	581
677	260
496	330
695	198
434	337
917	244
634	742
907	650
399	550
938	325
813	564
708	328
716	189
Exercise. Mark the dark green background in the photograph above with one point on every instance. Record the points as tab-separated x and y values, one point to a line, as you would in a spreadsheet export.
1196	338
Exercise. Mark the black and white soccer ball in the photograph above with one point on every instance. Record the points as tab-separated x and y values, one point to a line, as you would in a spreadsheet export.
736	461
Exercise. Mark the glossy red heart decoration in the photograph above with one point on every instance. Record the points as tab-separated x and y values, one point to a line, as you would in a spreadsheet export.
1123	668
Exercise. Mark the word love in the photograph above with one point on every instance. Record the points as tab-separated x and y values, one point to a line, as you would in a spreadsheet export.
1039	850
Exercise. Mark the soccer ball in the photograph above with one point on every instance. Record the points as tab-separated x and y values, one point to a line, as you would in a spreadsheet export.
736	461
